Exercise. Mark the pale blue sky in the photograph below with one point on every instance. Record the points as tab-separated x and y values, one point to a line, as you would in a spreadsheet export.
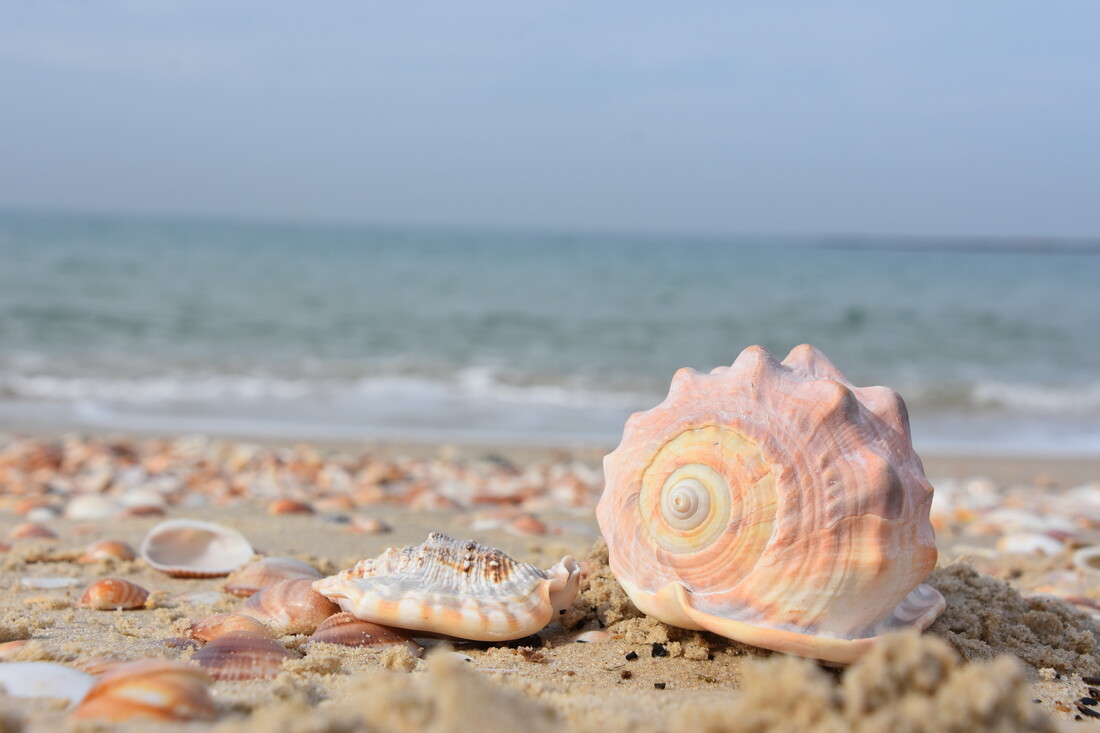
967	118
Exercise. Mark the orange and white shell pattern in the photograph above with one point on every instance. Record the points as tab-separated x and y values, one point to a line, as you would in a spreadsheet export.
454	587
775	504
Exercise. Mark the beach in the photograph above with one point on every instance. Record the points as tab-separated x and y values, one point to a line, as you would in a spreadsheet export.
1013	651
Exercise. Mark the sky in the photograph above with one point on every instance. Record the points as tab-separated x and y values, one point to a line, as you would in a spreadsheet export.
936	118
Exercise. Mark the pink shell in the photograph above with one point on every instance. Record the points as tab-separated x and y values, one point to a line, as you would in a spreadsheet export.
775	504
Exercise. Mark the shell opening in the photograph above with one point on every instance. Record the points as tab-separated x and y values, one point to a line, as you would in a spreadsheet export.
565	580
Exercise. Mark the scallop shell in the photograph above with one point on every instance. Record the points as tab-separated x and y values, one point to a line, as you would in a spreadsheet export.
347	630
149	689
32	531
290	607
462	589
268	571
775	504
112	594
191	549
212	627
115	549
242	655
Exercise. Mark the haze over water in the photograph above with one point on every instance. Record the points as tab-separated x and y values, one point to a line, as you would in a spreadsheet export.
310	331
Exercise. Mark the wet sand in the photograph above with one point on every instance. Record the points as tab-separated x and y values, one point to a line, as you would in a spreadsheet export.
1012	651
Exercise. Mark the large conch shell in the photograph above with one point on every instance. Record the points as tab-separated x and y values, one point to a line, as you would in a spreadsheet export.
456	588
775	504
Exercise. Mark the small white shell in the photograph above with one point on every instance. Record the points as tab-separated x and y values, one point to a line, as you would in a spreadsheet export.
193	549
462	589
1087	559
44	679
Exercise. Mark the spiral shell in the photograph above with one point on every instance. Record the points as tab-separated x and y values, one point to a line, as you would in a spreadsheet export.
149	689
112	594
775	504
462	589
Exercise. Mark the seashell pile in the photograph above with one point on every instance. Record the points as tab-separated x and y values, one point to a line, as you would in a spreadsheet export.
775	504
192	549
462	589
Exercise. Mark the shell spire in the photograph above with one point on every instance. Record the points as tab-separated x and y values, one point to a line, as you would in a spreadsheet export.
454	587
776	504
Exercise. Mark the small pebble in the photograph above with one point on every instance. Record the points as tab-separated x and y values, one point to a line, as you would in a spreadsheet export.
626	674
1090	701
1093	692
1091	680
659	685
631	656
659	650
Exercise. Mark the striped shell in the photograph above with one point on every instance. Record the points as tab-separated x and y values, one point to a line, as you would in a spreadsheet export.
346	630
112	594
461	589
220	624
242	655
268	571
775	504
188	548
289	607
149	689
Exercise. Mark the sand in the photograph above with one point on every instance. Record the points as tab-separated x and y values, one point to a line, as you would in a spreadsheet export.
1003	656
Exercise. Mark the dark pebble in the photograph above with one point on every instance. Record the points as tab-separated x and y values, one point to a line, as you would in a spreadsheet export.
659	650
1091	680
661	686
1090	701
1088	712
626	674
561	612
631	656
1036	700
580	641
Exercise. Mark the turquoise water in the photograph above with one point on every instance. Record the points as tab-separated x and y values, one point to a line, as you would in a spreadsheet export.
325	331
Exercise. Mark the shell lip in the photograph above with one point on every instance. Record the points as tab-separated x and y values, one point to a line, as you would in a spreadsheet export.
672	605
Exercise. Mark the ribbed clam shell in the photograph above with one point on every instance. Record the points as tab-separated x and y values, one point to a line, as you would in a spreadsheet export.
194	549
114	549
461	589
110	594
776	504
212	627
242	655
289	607
347	630
268	571
149	689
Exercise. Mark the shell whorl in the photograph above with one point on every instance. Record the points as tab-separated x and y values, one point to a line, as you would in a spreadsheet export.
778	495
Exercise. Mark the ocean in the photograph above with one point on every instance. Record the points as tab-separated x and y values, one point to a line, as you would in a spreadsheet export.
403	333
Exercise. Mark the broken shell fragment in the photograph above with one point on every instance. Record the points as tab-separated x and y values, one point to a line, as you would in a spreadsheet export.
457	588
212	627
242	655
347	630
268	571
775	504
114	549
189	548
112	594
149	689
290	607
